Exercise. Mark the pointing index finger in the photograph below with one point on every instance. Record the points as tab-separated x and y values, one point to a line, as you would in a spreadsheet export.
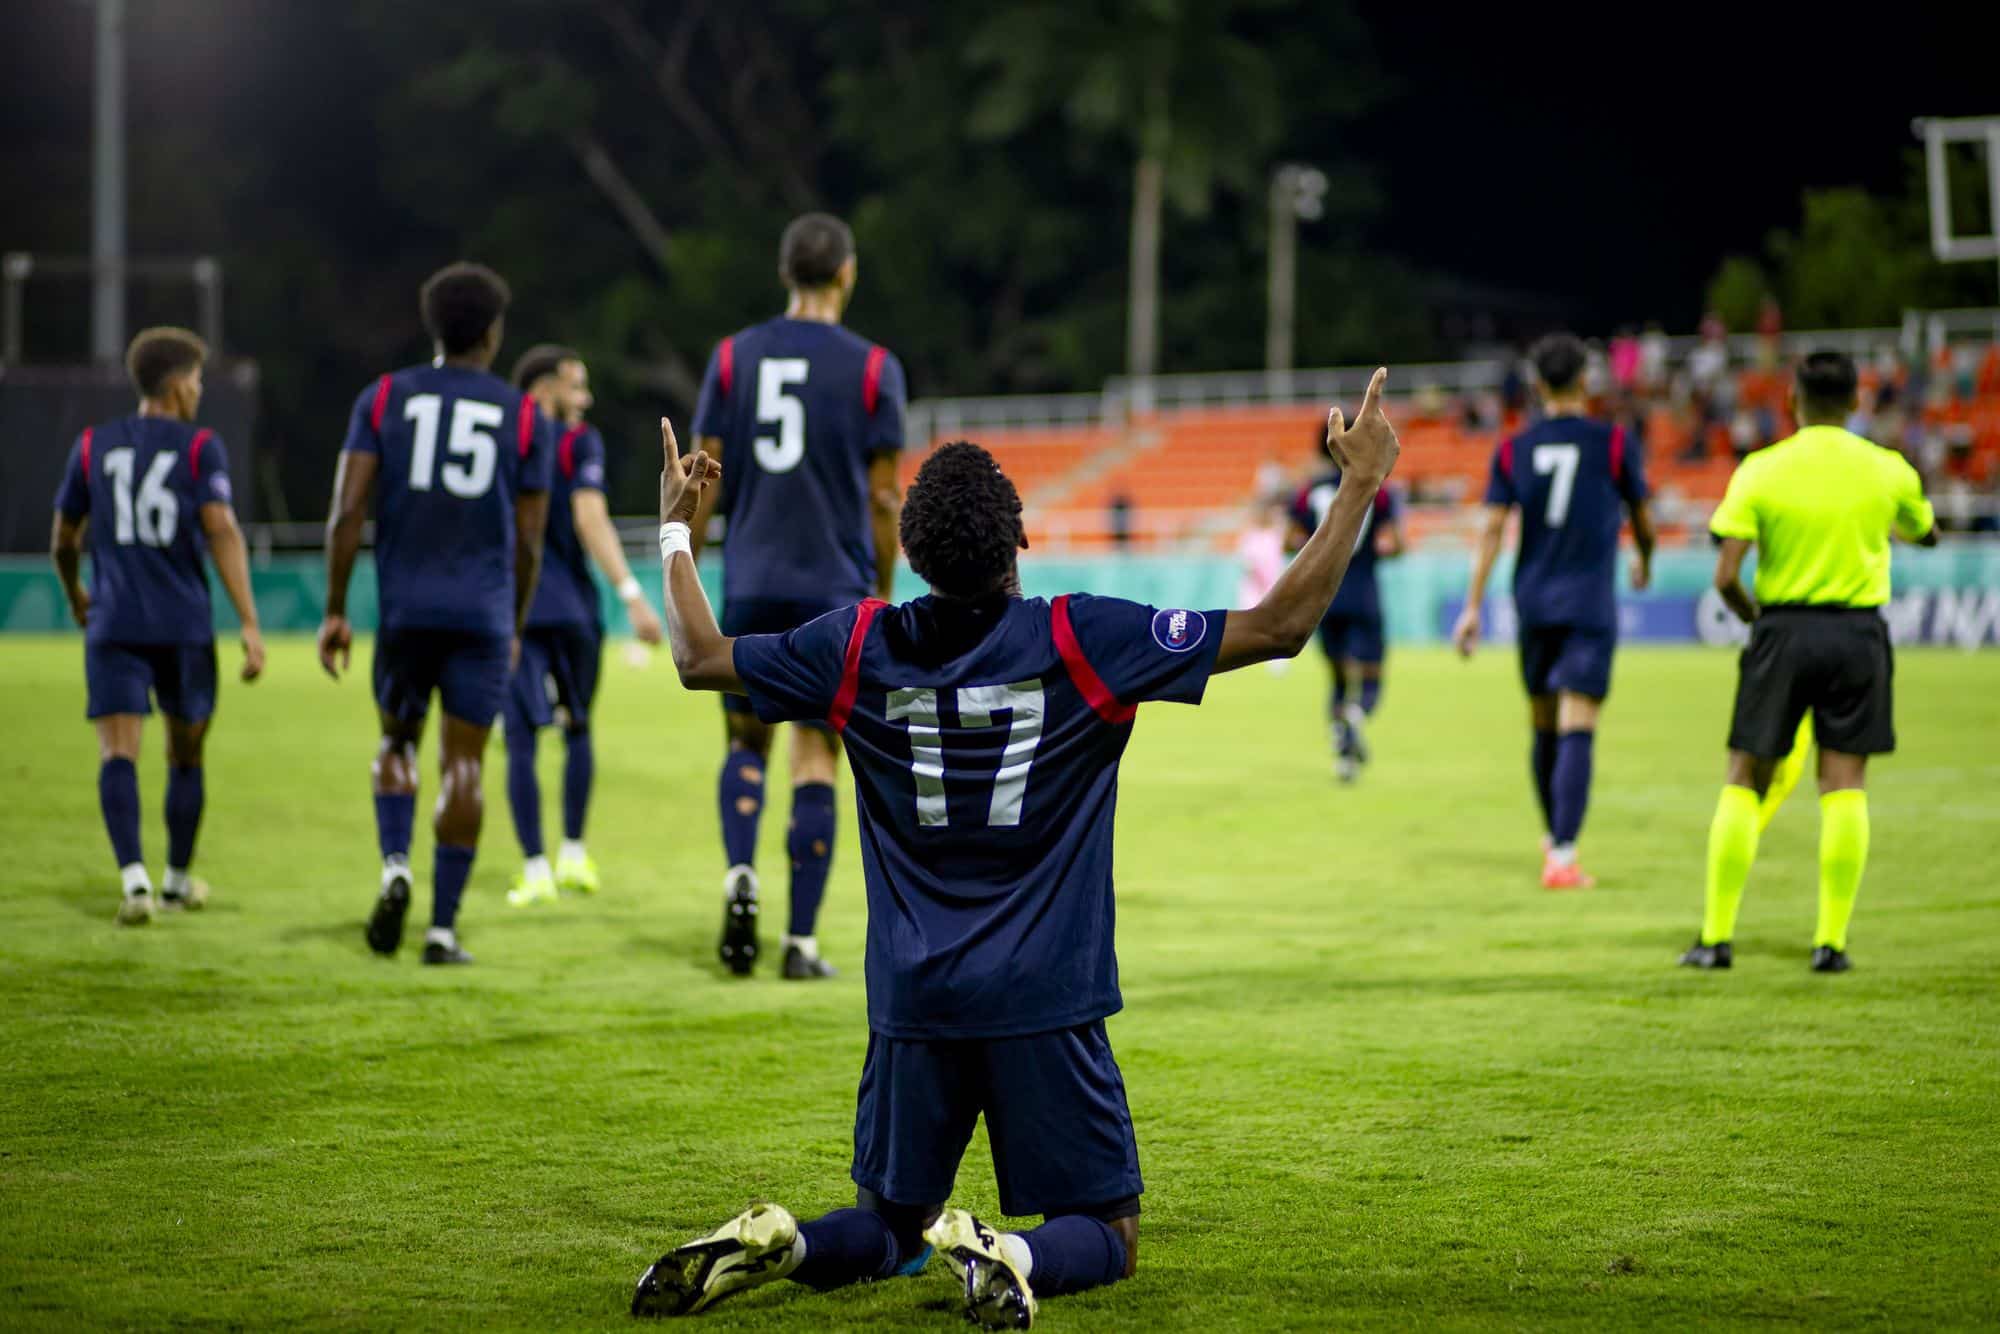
668	445
1372	400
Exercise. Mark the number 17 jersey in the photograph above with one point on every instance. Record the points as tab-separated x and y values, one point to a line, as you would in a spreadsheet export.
1571	477
801	408
456	445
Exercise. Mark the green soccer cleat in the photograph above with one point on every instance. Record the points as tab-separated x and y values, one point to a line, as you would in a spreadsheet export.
749	1250
997	1295
529	890
577	875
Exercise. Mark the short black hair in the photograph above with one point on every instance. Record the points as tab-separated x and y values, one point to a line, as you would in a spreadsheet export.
813	249
542	359
460	302
1559	360
158	354
1828	381
962	522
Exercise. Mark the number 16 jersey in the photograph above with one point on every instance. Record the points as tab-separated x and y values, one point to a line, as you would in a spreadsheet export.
1571	478
801	407
456	445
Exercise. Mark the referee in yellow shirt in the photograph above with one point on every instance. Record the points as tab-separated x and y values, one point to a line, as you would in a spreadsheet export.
1819	507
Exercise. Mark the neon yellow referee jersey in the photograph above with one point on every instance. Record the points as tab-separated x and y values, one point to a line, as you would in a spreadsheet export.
1820	506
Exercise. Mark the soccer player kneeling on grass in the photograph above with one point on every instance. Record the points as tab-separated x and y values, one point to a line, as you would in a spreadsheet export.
985	731
1819	507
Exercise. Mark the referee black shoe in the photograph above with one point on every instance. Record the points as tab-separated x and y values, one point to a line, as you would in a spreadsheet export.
1827	959
1707	956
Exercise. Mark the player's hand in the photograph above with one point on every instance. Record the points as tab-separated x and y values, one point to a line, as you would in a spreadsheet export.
336	645
1465	634
683	480
79	608
253	653
644	623
1366	450
1642	573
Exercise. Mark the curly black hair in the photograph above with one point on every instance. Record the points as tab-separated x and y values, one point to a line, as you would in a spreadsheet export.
460	302
962	522
158	354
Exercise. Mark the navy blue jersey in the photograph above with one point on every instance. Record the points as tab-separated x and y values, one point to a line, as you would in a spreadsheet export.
1359	597
800	407
985	743
457	446
1571	479
141	481
566	594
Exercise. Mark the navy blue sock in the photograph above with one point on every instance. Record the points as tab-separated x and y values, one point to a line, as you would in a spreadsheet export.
1371	693
395	817
578	770
740	794
118	795
810	843
1545	776
1074	1253
448	877
1570	785
524	792
846	1246
186	793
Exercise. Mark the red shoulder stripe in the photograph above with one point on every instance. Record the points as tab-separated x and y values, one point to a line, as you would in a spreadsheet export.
86	449
850	672
1088	682
1618	454
381	408
566	452
194	452
871	379
525	434
725	363
1507	458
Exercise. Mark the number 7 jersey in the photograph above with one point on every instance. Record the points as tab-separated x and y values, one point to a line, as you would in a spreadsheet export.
801	408
1571	477
456	447
985	742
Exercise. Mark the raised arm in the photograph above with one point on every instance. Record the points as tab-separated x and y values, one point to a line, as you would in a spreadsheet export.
1465	635
353	484
66	550
704	657
885	510
710	445
592	515
1729	578
232	562
1280	625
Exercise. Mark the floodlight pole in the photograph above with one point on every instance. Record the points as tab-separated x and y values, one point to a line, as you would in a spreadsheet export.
107	196
1296	192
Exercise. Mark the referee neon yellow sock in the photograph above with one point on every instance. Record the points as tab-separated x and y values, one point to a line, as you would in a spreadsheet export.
1786	776
1732	847
1843	856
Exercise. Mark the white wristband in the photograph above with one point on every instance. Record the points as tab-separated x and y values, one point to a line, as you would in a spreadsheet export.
628	589
675	537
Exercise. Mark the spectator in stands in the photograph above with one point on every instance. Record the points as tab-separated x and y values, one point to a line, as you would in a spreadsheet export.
1624	358
1770	333
1653	358
1121	520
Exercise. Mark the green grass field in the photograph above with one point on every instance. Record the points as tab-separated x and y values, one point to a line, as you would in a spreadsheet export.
1380	1077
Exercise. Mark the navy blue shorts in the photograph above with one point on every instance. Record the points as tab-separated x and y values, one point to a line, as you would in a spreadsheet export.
124	678
1055	1114
468	671
559	665
1352	638
769	616
1567	657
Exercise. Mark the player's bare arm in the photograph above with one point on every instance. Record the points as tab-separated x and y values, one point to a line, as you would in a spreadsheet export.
592	515
353	485
1645	539
710	445
531	526
1729	579
1282	623
232	563
704	657
885	509
66	550
1493	526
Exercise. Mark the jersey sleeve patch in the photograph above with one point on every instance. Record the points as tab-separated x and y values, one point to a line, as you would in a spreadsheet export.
1179	630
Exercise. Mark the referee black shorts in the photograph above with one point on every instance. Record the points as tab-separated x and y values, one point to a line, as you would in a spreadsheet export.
1835	661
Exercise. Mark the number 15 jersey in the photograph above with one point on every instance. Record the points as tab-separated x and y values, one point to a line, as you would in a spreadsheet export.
456	446
1571	478
985	741
801	408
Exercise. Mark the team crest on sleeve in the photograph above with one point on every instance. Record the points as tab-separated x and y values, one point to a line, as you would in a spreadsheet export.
1179	630
220	489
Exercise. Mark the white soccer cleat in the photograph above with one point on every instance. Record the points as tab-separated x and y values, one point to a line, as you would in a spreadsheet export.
135	909
749	1250
192	895
997	1295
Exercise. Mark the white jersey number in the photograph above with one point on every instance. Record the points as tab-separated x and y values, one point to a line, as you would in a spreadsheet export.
775	407
154	515
470	451
1321	502
1558	462
1022	702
